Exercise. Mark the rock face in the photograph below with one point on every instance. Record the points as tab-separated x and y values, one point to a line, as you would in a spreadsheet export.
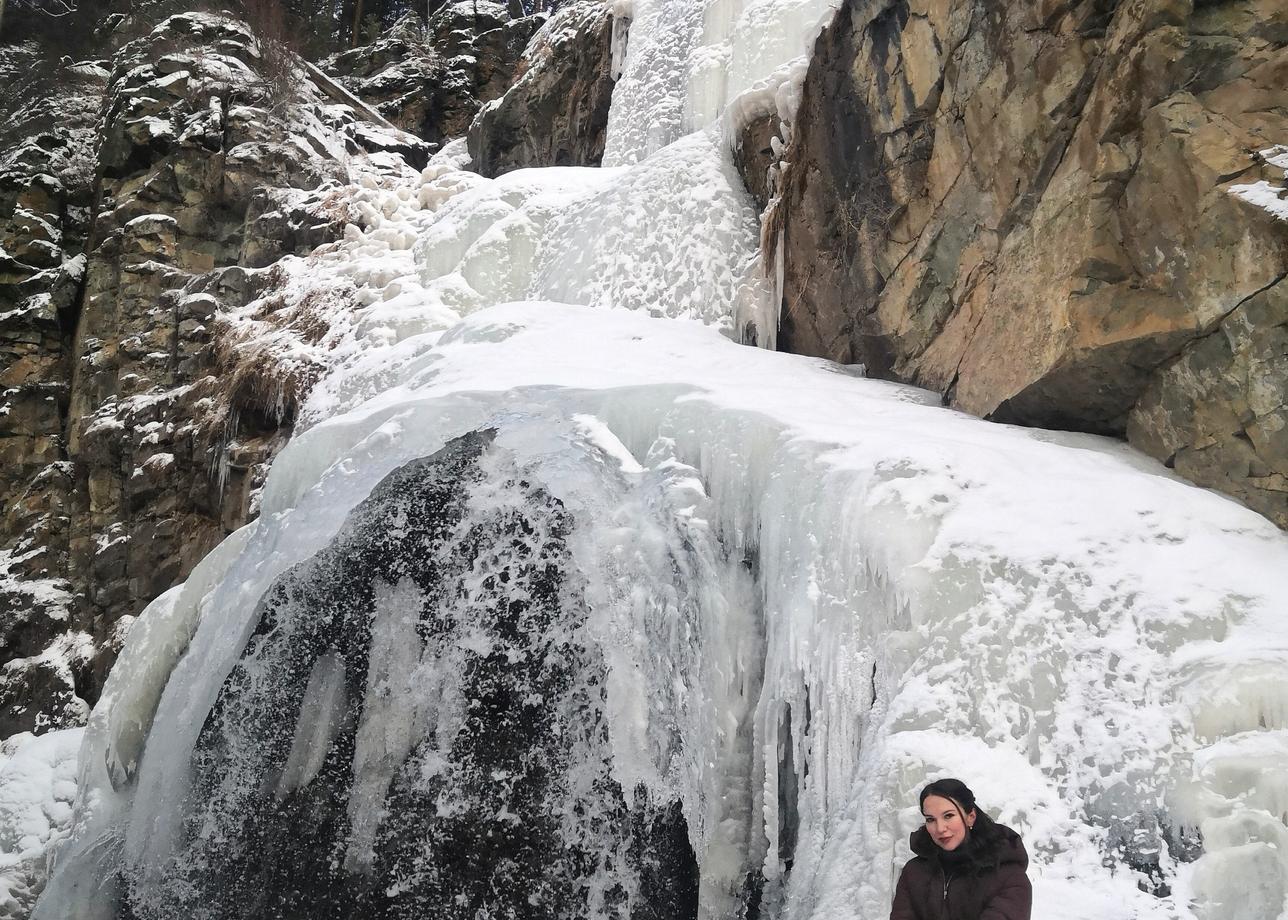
1218	412
137	439
1049	214
556	113
185	147
431	81
46	192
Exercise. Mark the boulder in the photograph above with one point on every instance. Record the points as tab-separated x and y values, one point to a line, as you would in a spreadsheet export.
556	113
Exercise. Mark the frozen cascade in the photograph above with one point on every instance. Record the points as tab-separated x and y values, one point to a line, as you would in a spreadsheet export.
648	103
651	624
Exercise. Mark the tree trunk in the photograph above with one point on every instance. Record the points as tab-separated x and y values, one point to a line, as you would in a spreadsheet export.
356	38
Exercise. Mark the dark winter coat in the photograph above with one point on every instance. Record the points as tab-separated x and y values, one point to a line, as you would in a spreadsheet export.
984	879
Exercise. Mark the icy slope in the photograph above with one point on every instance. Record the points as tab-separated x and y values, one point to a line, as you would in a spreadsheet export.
787	595
932	594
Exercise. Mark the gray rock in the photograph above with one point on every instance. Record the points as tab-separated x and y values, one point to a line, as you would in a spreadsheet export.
108	477
556	113
432	82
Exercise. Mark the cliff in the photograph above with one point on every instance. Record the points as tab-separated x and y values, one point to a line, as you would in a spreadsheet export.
1057	214
148	200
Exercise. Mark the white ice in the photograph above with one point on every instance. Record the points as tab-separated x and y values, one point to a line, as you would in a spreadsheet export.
37	785
1038	613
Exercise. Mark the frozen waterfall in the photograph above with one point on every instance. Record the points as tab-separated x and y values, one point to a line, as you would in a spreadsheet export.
562	603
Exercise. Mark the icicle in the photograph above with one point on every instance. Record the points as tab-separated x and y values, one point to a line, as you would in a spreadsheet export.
317	724
621	12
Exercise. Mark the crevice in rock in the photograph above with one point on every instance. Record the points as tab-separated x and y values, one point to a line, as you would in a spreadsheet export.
1214	328
788	789
1021	213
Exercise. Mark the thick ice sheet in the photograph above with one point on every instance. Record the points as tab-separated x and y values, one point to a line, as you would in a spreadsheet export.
1044	613
1036	613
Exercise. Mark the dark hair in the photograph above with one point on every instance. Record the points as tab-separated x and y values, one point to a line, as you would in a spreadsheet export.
953	789
984	842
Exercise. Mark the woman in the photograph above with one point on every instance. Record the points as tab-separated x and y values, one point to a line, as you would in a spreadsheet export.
967	867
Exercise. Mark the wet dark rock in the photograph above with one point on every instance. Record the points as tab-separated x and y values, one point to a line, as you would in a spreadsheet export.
755	155
431	741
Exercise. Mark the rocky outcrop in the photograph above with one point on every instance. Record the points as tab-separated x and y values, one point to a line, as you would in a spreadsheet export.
431	80
556	113
47	113
1048	214
46	191
139	438
1218	413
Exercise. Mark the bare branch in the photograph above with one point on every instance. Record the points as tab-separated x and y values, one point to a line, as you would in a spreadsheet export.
53	9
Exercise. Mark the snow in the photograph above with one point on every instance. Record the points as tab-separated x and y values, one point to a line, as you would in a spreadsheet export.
52	594
690	63
1262	193
37	785
812	592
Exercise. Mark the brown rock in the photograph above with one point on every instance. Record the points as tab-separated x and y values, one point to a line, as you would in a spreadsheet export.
101	491
1031	211
1218	414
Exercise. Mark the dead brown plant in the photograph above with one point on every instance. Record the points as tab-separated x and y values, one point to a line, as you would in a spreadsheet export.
275	43
264	362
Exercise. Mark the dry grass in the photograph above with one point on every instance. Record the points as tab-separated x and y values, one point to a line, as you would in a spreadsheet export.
276	45
336	207
266	364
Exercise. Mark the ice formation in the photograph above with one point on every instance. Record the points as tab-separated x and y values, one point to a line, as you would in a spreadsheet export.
37	785
556	569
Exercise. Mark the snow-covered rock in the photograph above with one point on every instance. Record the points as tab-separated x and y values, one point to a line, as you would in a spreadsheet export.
556	111
111	358
430	80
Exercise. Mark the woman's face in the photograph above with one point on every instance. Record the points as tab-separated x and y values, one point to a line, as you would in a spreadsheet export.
945	821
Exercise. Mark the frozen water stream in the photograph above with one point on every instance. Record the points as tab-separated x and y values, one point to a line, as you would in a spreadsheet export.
736	606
